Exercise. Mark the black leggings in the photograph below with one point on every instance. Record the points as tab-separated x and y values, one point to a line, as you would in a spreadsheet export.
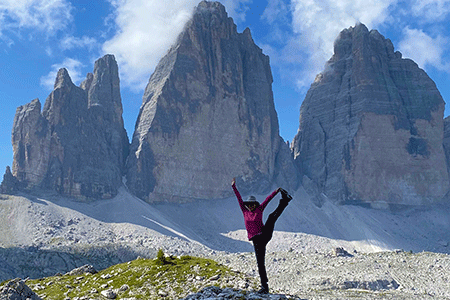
260	241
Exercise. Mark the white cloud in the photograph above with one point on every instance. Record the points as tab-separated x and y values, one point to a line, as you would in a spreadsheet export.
48	16
316	24
145	31
73	66
424	49
71	42
276	11
431	10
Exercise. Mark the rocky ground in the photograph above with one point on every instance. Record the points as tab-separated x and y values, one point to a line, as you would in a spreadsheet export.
292	275
41	236
381	275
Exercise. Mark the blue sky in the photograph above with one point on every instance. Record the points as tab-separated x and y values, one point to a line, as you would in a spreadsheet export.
37	37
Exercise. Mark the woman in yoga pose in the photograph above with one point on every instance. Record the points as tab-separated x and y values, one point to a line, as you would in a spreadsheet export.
257	232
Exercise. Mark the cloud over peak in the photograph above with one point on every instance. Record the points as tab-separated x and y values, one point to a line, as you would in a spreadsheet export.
73	66
145	30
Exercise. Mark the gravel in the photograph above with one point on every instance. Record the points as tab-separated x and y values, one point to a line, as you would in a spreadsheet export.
41	236
382	275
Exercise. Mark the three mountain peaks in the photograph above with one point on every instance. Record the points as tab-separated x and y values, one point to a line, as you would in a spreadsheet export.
371	126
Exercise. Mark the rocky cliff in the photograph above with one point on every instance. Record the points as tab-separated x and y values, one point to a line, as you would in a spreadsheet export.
207	115
10	184
371	126
77	145
447	142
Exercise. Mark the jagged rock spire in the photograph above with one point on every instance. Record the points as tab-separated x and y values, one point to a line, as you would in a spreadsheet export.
10	184
77	145
208	115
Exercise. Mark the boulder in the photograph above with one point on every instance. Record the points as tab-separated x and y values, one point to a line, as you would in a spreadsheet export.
214	292
207	116
82	270
371	126
77	146
17	290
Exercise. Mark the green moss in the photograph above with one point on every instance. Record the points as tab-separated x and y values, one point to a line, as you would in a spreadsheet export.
143	276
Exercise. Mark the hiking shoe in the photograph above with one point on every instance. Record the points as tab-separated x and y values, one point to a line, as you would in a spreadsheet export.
285	195
264	290
288	197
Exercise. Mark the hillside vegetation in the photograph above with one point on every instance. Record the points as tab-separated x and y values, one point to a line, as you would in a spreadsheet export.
162	277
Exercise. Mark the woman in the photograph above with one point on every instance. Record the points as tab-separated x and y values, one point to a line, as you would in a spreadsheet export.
257	232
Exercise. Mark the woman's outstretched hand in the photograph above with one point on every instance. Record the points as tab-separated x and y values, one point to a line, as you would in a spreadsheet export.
233	182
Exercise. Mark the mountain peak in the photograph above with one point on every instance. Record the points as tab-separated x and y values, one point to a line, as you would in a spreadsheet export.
209	98
212	7
62	78
71	147
211	16
368	113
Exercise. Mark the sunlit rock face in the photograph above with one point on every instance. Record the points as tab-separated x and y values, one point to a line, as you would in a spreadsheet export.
77	145
207	116
371	126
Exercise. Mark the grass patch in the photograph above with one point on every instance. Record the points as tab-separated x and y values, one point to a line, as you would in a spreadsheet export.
162	277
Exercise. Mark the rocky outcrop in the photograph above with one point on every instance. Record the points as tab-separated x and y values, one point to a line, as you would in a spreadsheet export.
371	126
208	115
215	292
17	290
10	184
78	144
82	270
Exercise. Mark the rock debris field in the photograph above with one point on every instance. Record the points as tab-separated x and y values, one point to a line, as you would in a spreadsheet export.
42	236
381	275
292	275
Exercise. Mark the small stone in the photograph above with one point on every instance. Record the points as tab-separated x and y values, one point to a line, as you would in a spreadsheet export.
123	288
215	277
339	251
106	276
109	294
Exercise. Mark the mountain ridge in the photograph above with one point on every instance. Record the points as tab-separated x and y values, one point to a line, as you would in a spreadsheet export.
208	115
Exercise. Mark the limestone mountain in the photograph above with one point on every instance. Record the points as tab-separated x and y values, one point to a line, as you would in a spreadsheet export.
371	126
77	145
207	115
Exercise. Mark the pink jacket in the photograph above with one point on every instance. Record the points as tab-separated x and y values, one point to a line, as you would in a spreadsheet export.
253	219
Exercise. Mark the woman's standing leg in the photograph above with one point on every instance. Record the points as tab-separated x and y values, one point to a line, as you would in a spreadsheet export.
260	252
